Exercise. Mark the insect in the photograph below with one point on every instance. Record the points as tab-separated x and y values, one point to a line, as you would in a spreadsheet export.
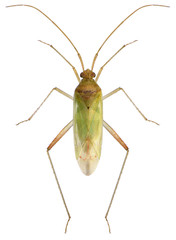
88	120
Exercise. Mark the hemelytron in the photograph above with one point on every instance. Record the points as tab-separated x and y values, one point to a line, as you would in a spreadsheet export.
88	120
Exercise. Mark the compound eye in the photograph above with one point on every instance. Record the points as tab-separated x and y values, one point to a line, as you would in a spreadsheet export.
87	74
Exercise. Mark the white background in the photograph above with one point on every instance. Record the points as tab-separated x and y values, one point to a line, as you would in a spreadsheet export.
30	205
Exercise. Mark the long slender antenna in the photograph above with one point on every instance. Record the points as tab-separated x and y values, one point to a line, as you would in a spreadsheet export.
151	5
101	69
74	69
25	5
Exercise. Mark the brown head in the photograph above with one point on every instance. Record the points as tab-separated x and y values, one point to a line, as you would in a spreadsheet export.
88	89
87	74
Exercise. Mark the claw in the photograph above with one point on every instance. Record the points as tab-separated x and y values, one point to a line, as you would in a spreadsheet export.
67	224
108	224
22	122
153	122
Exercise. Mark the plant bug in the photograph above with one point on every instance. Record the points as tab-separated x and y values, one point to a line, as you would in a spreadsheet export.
88	113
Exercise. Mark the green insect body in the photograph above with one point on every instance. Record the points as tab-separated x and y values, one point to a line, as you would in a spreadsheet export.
88	122
88	114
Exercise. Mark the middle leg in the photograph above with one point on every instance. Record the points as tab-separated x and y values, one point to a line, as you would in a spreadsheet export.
58	90
117	90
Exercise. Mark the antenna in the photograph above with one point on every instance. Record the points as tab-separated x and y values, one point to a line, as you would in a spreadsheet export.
151	5
25	5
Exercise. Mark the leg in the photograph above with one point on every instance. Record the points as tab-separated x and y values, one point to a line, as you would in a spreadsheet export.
25	5
150	5
98	75
116	136
74	69
58	137
118	89
57	89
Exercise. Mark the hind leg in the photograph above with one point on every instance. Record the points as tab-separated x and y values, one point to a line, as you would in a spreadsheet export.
116	136
57	138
